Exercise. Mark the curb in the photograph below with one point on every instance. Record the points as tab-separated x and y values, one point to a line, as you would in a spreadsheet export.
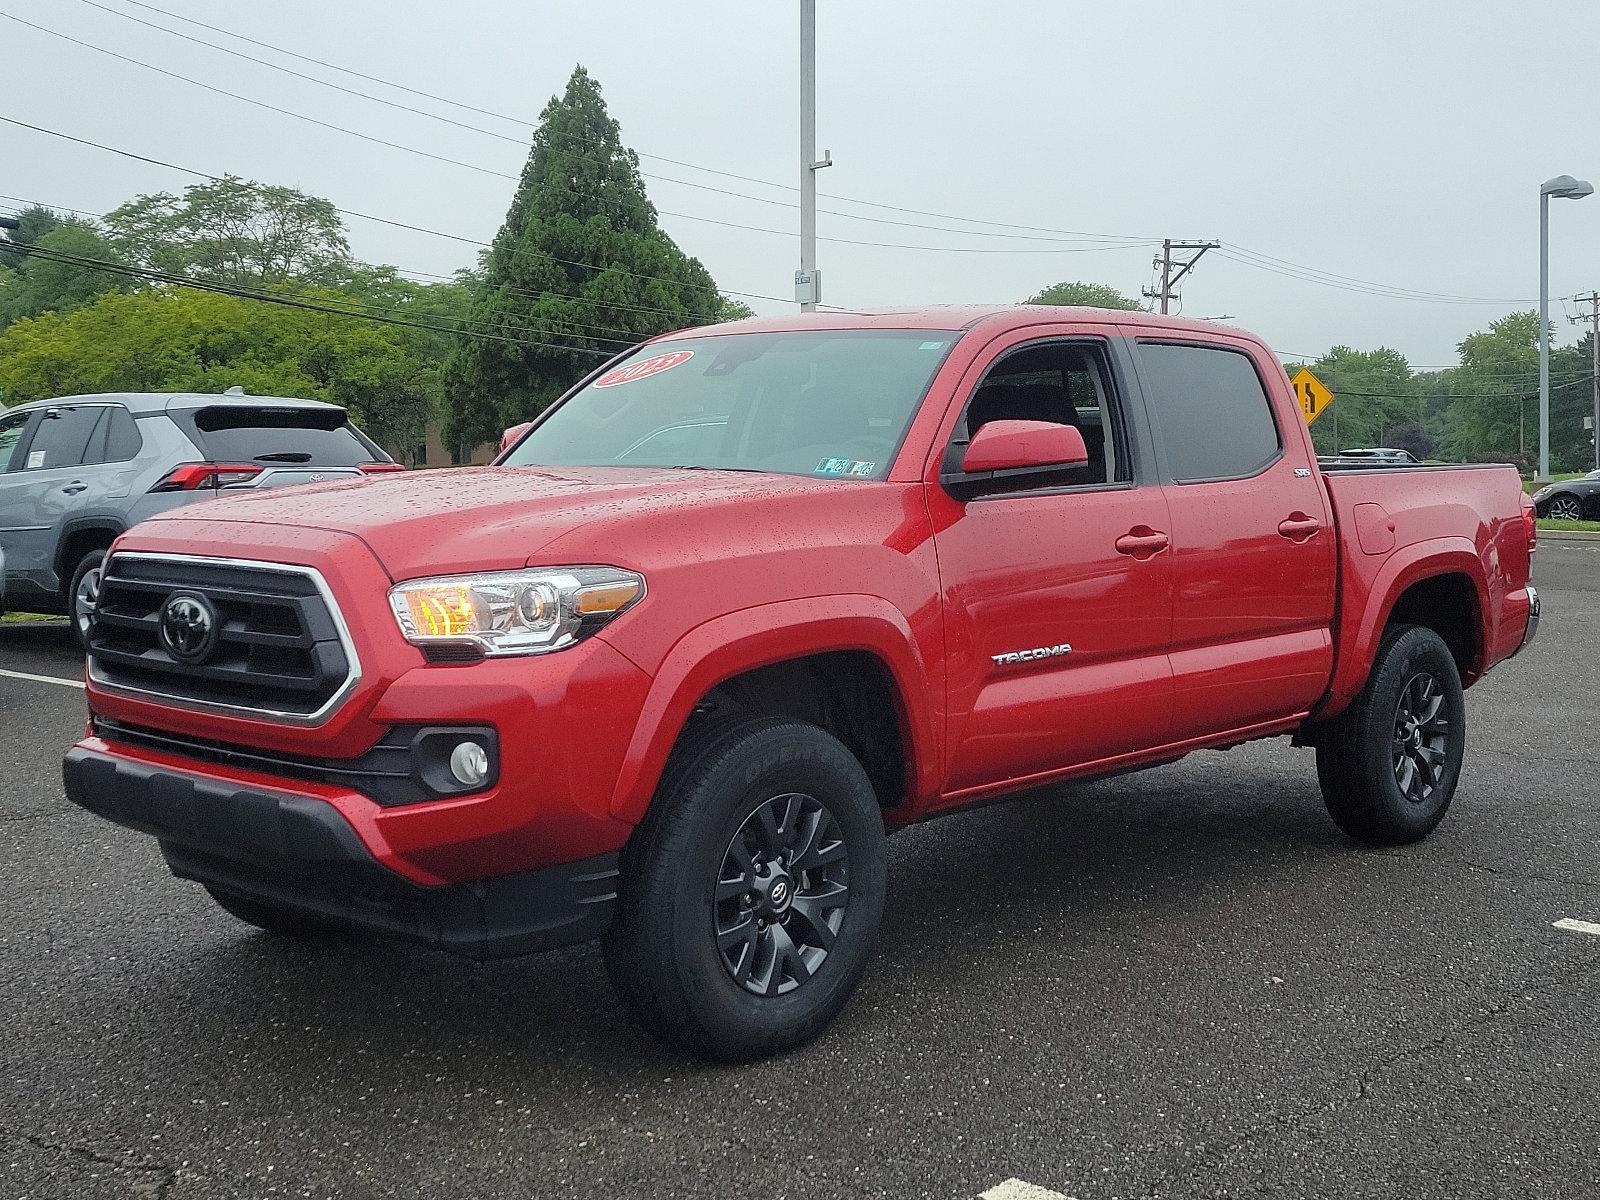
1568	535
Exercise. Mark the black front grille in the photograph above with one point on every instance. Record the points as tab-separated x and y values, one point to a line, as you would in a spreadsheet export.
278	649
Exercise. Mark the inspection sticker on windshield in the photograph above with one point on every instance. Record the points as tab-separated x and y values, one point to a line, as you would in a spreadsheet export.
844	466
644	368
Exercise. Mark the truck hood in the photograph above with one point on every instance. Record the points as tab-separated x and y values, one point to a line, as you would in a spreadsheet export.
492	518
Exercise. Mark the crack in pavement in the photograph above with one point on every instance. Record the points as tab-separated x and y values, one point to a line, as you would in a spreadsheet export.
34	816
1356	1086
160	1187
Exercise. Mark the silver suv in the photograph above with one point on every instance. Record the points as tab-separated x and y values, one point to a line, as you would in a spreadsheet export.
77	471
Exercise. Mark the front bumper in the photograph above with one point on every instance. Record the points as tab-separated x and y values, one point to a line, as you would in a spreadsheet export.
298	850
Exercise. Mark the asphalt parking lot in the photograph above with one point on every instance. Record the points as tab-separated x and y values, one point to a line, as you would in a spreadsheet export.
1183	983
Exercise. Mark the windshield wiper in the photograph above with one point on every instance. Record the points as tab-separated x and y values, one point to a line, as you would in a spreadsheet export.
699	467
286	456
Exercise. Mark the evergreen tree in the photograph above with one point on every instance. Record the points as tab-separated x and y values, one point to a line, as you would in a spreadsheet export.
579	262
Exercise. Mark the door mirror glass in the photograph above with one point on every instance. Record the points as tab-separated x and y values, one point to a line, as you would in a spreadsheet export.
1019	445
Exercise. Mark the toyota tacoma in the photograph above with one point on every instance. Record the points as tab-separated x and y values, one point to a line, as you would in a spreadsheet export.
751	596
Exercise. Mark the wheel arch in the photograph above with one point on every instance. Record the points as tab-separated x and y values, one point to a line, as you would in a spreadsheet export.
760	652
79	537
1440	584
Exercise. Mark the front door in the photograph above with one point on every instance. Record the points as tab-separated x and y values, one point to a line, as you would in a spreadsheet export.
43	486
1057	599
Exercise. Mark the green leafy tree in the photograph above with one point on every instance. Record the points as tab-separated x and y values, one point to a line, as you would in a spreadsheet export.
1374	392
44	284
162	339
33	223
580	262
1088	295
234	231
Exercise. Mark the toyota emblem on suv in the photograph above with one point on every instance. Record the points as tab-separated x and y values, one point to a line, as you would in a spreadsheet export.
188	627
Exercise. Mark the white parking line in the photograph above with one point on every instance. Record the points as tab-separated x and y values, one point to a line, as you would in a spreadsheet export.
1016	1189
77	683
1573	926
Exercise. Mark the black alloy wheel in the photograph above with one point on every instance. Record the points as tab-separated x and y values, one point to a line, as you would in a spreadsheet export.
782	893
1421	738
1565	508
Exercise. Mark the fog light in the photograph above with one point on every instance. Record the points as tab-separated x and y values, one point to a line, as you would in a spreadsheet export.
469	763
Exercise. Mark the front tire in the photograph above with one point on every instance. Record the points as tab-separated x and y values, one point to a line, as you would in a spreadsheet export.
752	893
82	595
1388	765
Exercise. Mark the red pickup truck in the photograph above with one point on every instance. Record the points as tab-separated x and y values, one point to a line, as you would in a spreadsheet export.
751	596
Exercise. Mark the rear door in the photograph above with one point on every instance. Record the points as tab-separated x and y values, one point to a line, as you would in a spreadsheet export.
1057	601
45	486
1254	553
14	515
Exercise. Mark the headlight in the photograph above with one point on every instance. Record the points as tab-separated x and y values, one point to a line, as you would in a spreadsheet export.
1543	492
513	612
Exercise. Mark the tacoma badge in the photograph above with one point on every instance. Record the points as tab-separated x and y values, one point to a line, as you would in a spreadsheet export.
1022	656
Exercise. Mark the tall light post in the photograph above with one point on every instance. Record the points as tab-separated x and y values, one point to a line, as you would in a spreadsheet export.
808	280
1564	187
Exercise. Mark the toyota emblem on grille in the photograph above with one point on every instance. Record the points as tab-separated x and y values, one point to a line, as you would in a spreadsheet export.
188	627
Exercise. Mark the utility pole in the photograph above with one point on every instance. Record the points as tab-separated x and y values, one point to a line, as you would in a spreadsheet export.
1169	276
1593	301
808	280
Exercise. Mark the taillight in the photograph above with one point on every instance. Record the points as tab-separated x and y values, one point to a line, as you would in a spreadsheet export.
193	476
1530	519
380	468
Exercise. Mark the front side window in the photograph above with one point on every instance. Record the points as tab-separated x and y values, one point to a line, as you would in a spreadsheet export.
1210	411
1059	382
61	438
11	430
829	404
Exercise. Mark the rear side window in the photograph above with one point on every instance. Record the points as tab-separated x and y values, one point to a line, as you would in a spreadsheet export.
61	438
245	433
1210	410
116	440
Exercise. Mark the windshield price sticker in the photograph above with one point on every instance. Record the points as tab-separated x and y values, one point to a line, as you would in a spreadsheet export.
643	369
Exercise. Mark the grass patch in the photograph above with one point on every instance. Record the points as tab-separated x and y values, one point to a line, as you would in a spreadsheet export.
1569	526
18	618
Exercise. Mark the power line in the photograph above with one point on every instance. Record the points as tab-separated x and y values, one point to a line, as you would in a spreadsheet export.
492	171
1262	262
205	285
349	212
529	123
523	142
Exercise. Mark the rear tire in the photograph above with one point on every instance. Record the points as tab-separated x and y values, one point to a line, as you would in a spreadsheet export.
1388	764
82	593
272	918
751	894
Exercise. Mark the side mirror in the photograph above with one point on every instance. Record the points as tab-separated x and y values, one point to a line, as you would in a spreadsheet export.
1004	453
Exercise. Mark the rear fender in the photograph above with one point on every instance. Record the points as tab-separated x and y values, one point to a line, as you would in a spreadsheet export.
1365	606
770	633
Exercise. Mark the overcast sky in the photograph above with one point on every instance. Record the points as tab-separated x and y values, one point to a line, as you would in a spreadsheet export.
1380	140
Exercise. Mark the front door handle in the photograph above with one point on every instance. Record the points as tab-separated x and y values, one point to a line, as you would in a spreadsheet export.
1142	542
1298	527
73	488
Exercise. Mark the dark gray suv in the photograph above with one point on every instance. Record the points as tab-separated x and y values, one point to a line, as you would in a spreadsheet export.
77	471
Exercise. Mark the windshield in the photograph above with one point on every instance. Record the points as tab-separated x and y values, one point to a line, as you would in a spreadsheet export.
831	404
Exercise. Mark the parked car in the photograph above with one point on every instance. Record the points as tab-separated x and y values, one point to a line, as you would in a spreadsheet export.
78	470
1570	500
1380	454
885	567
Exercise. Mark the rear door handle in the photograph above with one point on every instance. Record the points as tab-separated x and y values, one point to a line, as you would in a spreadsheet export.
1142	542
1298	527
73	488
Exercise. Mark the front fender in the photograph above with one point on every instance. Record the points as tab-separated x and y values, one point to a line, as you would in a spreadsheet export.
770	633
1367	602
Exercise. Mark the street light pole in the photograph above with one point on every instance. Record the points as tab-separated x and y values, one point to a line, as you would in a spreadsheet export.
807	282
1566	188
